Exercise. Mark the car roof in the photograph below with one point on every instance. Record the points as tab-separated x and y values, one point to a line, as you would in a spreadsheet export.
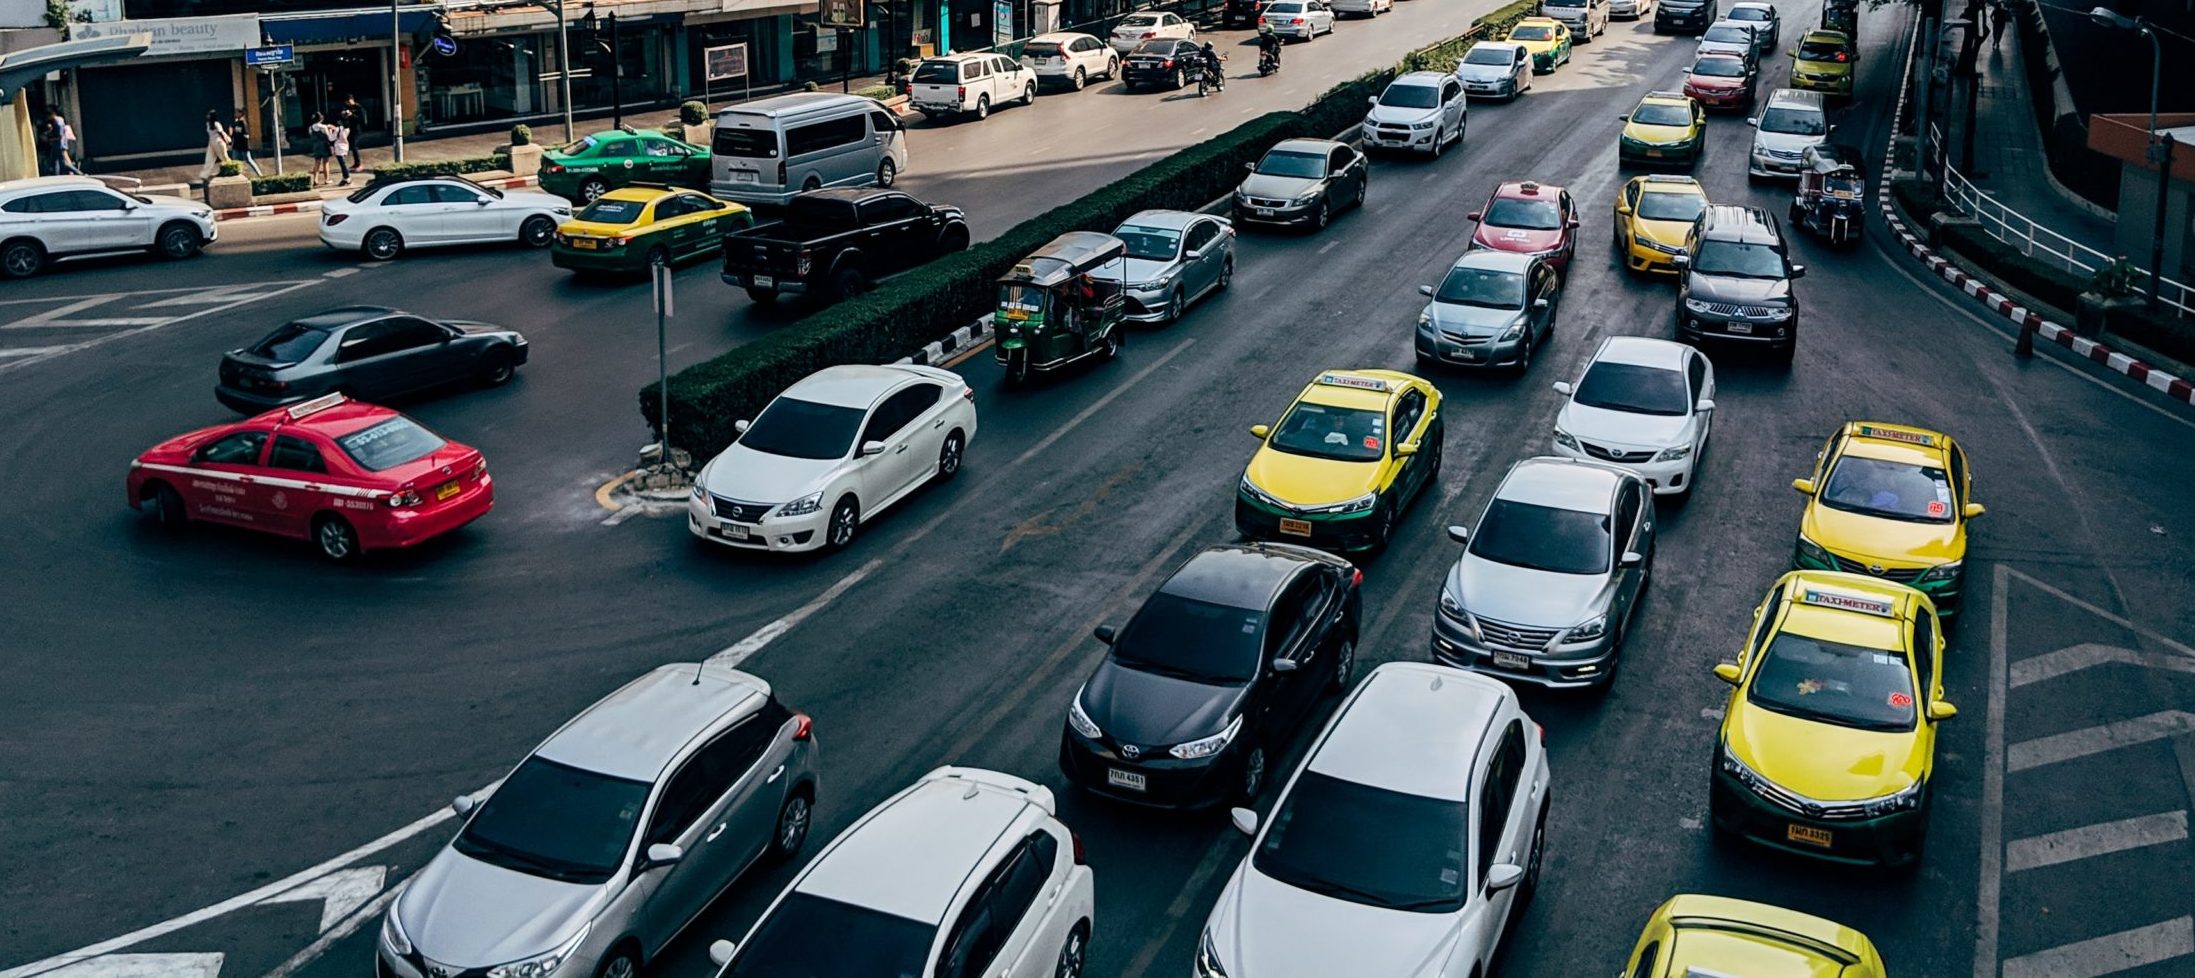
1348	388
848	385
1738	222
1560	483
1412	727
639	195
1528	190
51	183
1160	218
1825	34
1643	351
1536	22
1795	99
341	316
1753	5
1236	575
1494	260
960	56
1851	608
777	105
1665	98
1305	145
1420	78
1895	442
911	854
636	732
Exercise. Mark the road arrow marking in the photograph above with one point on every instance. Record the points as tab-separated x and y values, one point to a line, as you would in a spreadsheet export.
144	966
340	892
2051	665
2097	739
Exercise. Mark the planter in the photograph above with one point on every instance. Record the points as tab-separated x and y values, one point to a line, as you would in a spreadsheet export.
525	160
698	135
1940	222
2096	312
223	193
897	103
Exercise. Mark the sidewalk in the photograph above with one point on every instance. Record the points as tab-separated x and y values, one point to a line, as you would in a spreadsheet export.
2008	150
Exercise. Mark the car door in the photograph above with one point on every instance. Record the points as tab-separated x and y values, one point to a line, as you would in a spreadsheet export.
663	896
54	220
467	215
1411	425
1702	378
298	485
117	222
1499	836
882	473
391	357
1202	271
1547	284
1453	105
223	484
899	234
672	228
735	820
710	219
618	162
415	211
1294	626
1634	533
1341	180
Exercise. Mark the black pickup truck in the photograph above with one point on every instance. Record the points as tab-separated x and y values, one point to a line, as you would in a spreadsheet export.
833	243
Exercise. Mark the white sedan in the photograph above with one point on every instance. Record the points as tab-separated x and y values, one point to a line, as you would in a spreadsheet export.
1135	29
1303	20
384	219
1643	404
832	452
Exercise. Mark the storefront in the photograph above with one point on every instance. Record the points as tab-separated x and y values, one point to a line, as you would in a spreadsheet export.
155	106
340	56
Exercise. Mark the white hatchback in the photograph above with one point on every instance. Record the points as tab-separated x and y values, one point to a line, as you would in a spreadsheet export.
1070	59
45	218
832	452
1135	29
1643	404
1404	844
384	219
965	873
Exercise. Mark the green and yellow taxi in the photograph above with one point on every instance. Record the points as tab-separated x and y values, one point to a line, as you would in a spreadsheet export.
1824	62
605	161
1653	214
1546	39
1338	467
628	229
1665	127
1694	935
1892	501
1829	737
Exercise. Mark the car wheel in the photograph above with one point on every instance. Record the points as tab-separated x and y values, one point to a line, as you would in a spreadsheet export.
948	457
1178	79
1324	215
593	187
1363	187
886	172
983	106
811	185
620	964
1385	530
537	232
1029	94
845	522
1345	662
792	827
1112	344
1176	305
1531	883
382	244
1078	81
1112	68
335	538
1253	775
848	283
1440	142
497	368
178	240
167	506
1226	274
952	239
1524	352
1072	952
22	259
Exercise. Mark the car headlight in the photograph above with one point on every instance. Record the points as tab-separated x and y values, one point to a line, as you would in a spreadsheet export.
1695	305
1901	801
1810	550
1738	769
1565	439
1311	197
1080	720
802	506
1208	746
392	934
1450	604
1208	965
1150	286
1779	313
1241	194
1587	630
1421	125
541	965
1425	324
1676	454
1513	333
1940	572
1361	504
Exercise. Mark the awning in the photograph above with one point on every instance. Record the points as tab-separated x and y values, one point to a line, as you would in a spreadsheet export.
346	26
19	68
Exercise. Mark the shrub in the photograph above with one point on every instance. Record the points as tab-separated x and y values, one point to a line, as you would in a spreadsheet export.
693	112
809	86
442	168
281	183
231	168
522	135
878	92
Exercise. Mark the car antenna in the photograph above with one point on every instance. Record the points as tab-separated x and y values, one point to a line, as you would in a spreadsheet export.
697	672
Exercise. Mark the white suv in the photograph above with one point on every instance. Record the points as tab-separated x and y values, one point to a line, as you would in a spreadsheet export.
44	218
966	872
1452	778
1071	59
956	85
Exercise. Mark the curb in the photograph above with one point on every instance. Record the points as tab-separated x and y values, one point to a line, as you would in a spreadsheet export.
313	206
939	351
2019	316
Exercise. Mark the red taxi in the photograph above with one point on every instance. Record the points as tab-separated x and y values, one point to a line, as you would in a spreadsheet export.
347	475
1531	219
1721	81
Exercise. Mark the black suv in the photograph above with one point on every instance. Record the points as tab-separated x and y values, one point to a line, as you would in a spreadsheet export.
1240	13
1736	281
1686	16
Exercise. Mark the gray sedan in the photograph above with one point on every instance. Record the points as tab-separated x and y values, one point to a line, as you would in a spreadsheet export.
1174	258
1494	308
367	352
1301	181
1548	579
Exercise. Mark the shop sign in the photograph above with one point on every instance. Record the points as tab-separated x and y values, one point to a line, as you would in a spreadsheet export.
228	35
826	41
1002	22
841	13
725	62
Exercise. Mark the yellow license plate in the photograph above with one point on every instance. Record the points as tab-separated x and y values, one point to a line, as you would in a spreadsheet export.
1300	528
448	489
585	244
1807	834
1653	152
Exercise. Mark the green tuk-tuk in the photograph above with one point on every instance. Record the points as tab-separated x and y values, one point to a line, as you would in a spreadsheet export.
1052	311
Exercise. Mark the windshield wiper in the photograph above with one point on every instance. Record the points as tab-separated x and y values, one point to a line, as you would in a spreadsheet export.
1485	305
549	866
1331	888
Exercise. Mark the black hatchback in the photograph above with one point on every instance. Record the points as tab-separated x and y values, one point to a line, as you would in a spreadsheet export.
367	352
1162	62
1213	676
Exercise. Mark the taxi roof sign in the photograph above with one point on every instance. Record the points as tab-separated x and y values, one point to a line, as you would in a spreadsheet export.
1844	601
1897	434
1672	96
1347	380
1671	178
314	406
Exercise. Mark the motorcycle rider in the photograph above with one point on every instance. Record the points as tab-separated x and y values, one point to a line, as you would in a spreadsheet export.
1212	59
1268	47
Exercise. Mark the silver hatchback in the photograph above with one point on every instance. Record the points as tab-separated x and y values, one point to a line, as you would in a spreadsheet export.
605	842
1174	258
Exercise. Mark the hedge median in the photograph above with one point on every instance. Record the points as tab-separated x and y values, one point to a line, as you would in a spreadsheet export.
915	309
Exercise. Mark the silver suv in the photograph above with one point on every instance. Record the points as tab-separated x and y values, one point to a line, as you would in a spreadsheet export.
45	218
605	842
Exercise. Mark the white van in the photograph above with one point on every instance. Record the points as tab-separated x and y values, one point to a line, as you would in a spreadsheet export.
766	151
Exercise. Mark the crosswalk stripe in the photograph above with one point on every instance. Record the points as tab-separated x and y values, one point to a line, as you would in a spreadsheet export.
2089	841
85	323
32	351
2110	953
2051	665
2097	739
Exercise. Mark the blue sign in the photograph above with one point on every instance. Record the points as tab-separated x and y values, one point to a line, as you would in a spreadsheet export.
259	57
444	46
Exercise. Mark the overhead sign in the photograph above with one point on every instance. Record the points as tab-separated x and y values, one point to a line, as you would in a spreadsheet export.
724	62
841	13
280	54
225	36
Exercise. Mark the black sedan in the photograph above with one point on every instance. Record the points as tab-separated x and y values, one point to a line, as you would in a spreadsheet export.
1162	62
1212	677
367	352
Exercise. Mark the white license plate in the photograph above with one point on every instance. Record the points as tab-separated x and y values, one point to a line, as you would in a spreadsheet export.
734	531
1507	661
1264	212
1296	528
765	281
1741	329
1126	779
744	176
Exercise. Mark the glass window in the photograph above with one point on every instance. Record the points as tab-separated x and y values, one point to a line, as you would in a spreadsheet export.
1487	54
1695	369
296	454
1201	234
1719	67
1495	793
819	136
409	194
1749	13
389	444
1671	206
1924	650
880	122
1486	288
889	207
1528	535
1189	639
662	148
582	147
1412	96
1017	890
746	143
94	200
1325	431
1633	388
1309	166
686	797
1628	505
1042	49
1318	842
412	334
937	73
1893	490
1339	159
31	204
1647	960
1531	214
1292	615
1767	613
1738	259
1408	409
1532	33
1729	34
803	429
1811	49
1661	114
290	343
1794	122
555	821
239	448
900	410
1847	685
607	211
615	148
450	193
812	935
1149	244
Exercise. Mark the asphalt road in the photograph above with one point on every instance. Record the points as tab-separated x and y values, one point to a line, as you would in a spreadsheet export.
192	717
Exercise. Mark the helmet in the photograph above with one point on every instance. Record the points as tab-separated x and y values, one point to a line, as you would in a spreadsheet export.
1265	28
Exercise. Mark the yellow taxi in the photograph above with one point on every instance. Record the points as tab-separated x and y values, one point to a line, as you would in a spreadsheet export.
1653	214
1830	734
1665	127
1824	61
630	228
1546	39
1890	500
1694	934
1342	462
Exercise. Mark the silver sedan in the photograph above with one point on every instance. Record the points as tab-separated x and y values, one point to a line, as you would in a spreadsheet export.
1174	259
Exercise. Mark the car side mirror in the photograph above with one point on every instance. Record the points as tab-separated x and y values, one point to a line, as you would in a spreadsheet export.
1830	129
872	448
1563	387
1261	431
1753	121
1798	271
1542	303
663	854
1727	672
1475	216
1459	533
1631	558
1705	405
1192	254
1940	711
1245	820
1804	486
1252	167
1971	510
1572	224
1285	665
1622	208
1681	261
1105	633
1623	118
1502	876
482	201
463	805
720	952
1371	99
1425	290
1406	449
740	426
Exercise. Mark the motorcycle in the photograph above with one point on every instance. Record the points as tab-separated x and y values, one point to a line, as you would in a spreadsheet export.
1268	62
1209	79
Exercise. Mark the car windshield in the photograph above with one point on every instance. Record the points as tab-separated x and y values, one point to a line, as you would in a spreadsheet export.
1486	288
389	444
1811	50
1633	388
1816	679
1483	55
1411	96
1738	259
938	72
1719	67
1536	214
552	820
1309	166
1151	244
1661	114
1893	490
1728	34
1544	538
1325	431
607	211
812	935
1531	33
1671	207
1367	845
1190	639
291	343
1794	122
1041	49
803	429
578	147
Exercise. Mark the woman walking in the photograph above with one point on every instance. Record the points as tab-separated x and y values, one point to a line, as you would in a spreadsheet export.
339	143
240	143
217	146
321	145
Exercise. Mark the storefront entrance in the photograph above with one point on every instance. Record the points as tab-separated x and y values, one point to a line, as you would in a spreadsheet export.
320	83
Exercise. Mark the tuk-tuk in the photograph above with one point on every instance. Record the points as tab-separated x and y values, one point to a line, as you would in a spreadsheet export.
1052	311
1832	192
1842	15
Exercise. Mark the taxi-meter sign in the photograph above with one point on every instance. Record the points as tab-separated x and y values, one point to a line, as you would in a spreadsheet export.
1849	602
1360	383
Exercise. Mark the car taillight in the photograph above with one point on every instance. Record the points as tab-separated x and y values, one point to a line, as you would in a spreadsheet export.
553	168
619	242
803	726
1356	576
1148	35
335	219
1542	729
1076	838
969	393
1840	57
1168	63
1297	22
960	92
807	261
403	497
781	174
480	467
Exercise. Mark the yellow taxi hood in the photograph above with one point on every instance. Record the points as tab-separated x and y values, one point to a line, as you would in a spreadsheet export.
1732	936
1667	232
1823	761
1656	134
1895	542
1306	481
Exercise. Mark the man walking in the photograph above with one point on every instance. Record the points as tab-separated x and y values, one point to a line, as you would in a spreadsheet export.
352	117
1999	14
64	143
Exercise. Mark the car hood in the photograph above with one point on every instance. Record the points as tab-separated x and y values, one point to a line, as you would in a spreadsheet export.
1824	67
1785	142
1306	481
1150	710
1667	232
1287	188
1472	320
465	912
1733	288
471	328
1267	928
1824	761
1622	429
1137	270
1396	115
1713	83
1516	239
1482	73
1896	542
747	475
1644	133
1521	596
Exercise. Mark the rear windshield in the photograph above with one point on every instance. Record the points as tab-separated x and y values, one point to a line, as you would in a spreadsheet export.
606	211
1190	639
1544	538
1562	3
1634	388
290	343
1140	20
1411	96
1719	67
748	143
803	429
938	71
1749	13
1041	49
578	147
1483	55
1661	114
1164	47
813	935
390	444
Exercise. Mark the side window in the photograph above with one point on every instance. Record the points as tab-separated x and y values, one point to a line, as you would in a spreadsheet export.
684	798
1336	160
1924	653
406	333
31	204
733	753
1829	454
615	148
1695	367
994	909
1291	615
417	193
898	410
1627	515
1631	196
881	123
1450	91
1024	880
1767	622
368	340
1201	234
828	134
1647	959
1958	472
672	207
889	207
94	200
1409	409
698	205
296	454
975	68
450	193
1495	794
241	448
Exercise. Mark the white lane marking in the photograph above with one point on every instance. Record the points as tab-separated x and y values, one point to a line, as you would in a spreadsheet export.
339	272
2051	665
80	323
1329	246
1095	407
341	930
2090	841
35	351
208	297
184	965
54	351
2109	954
1987	897
739	651
57	312
340	892
2074	744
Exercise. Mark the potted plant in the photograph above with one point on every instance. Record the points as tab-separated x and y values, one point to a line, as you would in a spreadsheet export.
525	156
693	122
2113	290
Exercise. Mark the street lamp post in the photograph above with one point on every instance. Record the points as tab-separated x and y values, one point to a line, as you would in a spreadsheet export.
2158	152
396	89
564	69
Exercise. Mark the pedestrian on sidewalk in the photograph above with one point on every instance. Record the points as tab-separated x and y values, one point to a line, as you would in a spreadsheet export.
217	146
317	132
240	143
64	144
353	118
339	143
1999	15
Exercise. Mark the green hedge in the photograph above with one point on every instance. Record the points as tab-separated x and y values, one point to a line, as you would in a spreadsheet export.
281	183
878	92
442	168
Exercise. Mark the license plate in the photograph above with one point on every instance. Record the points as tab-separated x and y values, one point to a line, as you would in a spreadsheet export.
583	244
1507	661
1301	528
765	281
735	531
448	489
1264	212
1741	329
1807	834
1653	152
1126	779
743	176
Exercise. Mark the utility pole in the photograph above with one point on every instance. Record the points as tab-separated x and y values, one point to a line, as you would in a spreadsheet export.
396	89
564	68
2162	153
617	77
1929	42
